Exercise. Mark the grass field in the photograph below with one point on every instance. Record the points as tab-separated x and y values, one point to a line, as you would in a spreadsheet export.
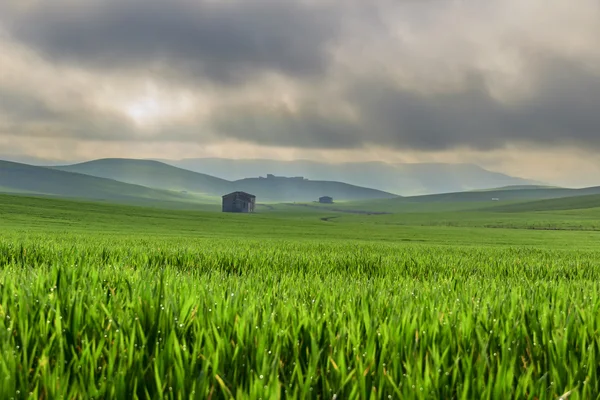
107	301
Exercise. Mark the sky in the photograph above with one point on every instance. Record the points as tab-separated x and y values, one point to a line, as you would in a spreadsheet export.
511	85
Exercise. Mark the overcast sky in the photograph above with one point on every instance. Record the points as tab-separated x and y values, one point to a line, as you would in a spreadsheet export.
513	85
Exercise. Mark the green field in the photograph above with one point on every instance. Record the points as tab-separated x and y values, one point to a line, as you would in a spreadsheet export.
430	301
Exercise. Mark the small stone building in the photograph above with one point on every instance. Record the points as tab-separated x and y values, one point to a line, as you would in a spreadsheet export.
239	202
325	200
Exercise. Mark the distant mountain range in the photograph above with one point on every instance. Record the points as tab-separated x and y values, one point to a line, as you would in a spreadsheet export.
403	179
148	182
152	174
126	179
158	175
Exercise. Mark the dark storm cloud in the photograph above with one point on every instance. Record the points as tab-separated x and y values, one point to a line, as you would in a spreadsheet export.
227	41
561	111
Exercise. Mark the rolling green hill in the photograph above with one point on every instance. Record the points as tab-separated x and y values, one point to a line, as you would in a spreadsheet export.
559	204
23	178
511	199
517	187
152	174
526	193
158	175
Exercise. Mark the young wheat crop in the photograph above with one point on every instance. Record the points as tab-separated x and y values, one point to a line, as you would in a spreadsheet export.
96	317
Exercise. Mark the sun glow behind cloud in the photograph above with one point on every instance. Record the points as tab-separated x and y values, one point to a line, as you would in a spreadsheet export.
143	111
153	107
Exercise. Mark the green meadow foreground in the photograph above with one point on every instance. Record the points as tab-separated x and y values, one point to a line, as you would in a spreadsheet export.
106	301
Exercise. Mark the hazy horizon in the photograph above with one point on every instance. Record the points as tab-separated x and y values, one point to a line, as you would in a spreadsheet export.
291	171
511	86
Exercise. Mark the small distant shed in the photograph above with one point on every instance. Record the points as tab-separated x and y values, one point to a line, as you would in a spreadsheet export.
325	200
239	202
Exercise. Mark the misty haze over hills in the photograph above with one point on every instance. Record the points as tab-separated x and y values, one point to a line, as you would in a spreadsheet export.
154	182
403	179
155	175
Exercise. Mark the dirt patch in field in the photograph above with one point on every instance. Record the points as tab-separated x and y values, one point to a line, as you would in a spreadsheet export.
361	212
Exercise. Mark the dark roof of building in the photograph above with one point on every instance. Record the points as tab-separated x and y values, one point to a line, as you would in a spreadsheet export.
325	197
243	194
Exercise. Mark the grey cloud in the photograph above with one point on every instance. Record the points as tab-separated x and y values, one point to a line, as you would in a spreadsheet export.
308	127
561	111
19	106
223	41
26	114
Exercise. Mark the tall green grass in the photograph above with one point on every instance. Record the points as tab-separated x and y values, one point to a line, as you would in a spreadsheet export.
90	316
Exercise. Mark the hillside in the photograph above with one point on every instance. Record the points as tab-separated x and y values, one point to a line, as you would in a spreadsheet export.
300	190
560	204
509	199
518	187
404	179
152	174
532	193
23	178
158	175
